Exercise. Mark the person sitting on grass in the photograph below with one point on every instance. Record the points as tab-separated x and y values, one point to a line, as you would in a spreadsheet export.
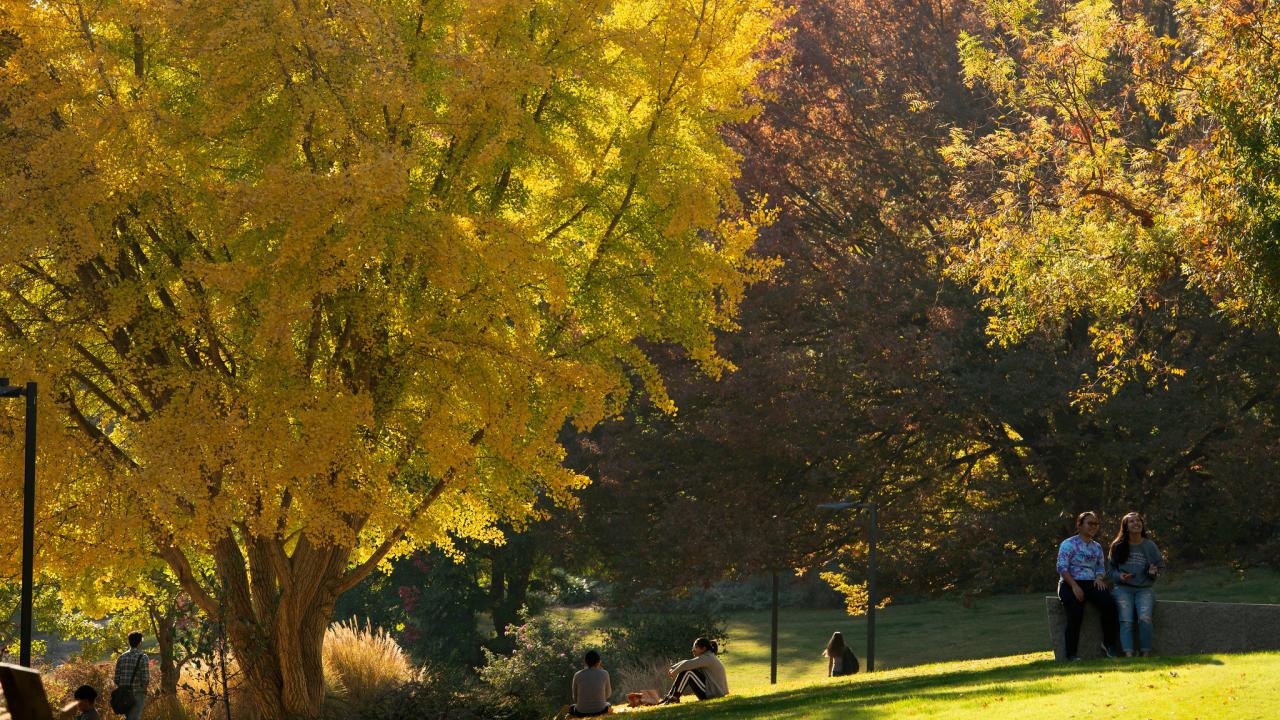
591	688
83	706
1081	573
703	674
840	657
1135	562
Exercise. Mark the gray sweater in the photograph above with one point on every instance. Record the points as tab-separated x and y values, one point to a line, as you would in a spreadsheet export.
591	690
1140	557
717	681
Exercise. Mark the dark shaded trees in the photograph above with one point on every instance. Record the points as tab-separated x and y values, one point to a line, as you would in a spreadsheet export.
864	372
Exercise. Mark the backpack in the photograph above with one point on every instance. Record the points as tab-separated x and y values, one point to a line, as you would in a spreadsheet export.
122	698
848	662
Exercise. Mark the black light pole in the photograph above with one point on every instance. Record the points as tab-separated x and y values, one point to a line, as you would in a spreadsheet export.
872	596
28	514
773	634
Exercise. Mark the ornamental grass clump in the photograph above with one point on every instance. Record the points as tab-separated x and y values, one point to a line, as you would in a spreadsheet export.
363	662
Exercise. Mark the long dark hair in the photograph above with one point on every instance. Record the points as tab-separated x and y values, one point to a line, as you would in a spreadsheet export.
1120	546
706	644
835	646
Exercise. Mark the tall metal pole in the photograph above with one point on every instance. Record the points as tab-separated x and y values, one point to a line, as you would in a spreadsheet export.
872	597
773	635
28	528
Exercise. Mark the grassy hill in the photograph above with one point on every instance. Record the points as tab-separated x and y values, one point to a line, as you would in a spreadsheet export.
932	631
941	630
1031	686
939	659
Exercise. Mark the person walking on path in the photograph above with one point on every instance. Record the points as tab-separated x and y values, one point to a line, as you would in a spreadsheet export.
132	672
1135	561
591	688
703	674
1082	573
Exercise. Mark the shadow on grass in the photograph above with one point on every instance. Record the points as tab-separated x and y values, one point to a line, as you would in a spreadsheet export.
861	699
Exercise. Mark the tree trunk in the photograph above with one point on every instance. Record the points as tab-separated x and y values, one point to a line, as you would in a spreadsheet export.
169	674
276	609
286	681
512	566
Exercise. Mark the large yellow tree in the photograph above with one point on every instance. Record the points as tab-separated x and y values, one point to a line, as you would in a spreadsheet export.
309	283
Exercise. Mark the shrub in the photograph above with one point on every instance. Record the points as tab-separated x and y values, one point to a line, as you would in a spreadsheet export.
63	680
433	696
640	634
200	692
561	588
535	677
168	708
362	663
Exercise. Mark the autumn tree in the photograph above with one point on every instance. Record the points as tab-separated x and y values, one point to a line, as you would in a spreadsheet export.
310	284
865	372
1131	157
847	356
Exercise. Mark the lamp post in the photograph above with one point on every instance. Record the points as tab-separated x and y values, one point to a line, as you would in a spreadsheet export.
773	634
28	513
872	597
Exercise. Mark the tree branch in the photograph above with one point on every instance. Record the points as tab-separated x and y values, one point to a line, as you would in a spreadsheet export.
353	576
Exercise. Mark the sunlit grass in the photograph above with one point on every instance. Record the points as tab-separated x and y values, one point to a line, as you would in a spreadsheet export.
1026	686
928	632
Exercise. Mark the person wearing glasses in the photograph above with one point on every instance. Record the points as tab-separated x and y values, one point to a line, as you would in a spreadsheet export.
1082	578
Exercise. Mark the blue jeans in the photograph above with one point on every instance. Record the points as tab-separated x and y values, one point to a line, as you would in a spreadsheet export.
139	699
1131	602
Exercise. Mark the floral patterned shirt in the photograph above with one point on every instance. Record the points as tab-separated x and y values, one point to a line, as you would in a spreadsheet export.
1084	560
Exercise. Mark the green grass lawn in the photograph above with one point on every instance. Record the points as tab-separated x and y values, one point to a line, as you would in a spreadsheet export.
937	631
940	630
1023	686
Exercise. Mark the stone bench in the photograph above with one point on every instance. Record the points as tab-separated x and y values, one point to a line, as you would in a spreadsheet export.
1180	628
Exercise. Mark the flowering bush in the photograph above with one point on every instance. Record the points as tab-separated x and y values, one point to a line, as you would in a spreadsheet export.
537	674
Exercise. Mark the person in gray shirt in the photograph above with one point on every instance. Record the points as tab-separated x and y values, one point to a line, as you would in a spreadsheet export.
703	674
591	688
1134	562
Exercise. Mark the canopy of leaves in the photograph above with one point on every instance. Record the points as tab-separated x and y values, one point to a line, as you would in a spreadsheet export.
297	269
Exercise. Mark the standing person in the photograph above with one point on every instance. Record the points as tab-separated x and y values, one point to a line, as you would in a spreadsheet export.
1081	573
591	688
1135	563
132	672
840	657
703	674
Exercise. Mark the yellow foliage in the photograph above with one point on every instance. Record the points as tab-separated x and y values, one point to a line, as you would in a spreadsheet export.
857	599
309	284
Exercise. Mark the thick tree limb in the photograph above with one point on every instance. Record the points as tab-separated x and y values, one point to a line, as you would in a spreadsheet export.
353	576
